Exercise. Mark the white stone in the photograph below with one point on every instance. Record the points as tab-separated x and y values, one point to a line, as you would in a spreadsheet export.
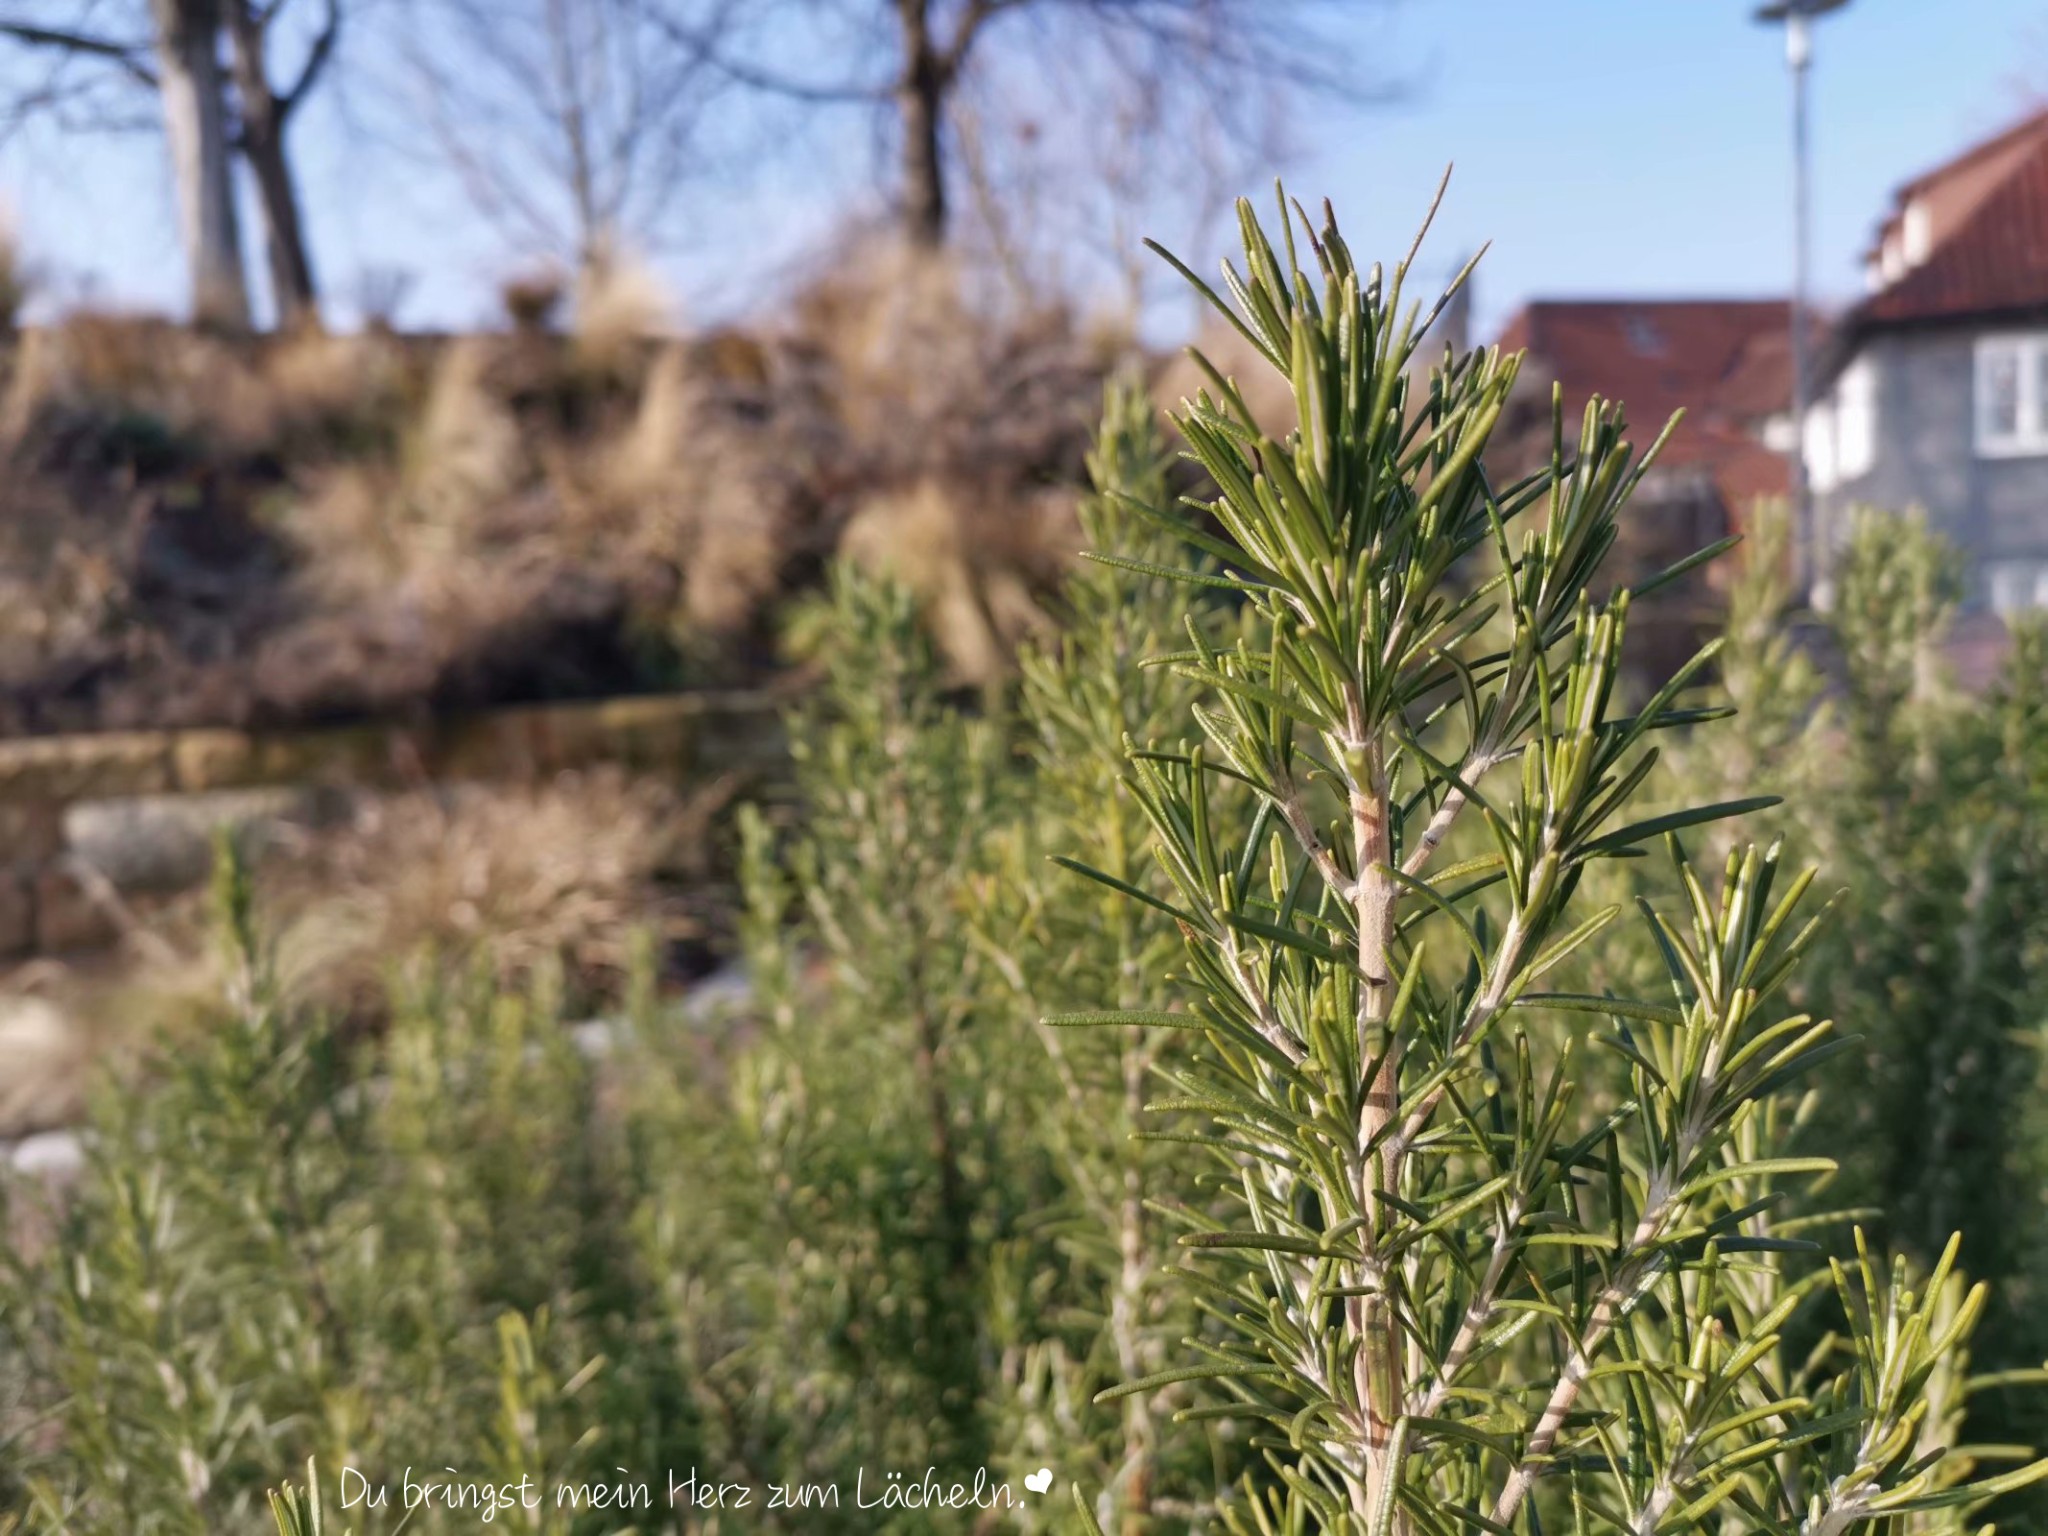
42	1066
49	1155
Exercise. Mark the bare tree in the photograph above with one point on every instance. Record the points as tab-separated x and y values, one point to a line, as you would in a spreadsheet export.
571	123
1062	199
99	58
196	129
169	47
266	111
913	60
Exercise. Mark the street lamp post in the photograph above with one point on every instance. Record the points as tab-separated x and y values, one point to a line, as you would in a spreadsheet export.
1796	17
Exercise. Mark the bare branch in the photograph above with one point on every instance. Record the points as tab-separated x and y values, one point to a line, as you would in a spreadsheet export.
706	40
570	125
317	59
977	16
129	57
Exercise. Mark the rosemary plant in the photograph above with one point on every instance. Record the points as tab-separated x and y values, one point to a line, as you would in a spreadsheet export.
1459	1293
279	1249
1929	807
1080	699
296	1509
888	1132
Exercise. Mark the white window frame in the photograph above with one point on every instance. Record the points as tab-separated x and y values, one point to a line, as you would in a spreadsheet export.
1840	442
2029	349
1856	420
1916	232
1819	447
2013	587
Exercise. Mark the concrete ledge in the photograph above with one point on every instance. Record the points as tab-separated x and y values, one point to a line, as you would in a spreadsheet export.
678	733
86	817
60	768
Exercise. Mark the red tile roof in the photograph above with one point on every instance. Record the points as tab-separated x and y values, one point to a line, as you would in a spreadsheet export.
1983	218
1655	355
1725	362
1759	384
1745	472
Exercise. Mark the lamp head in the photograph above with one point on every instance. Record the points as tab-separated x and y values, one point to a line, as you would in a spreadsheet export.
1806	10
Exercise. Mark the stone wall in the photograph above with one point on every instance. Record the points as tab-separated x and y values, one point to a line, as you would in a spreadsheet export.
85	816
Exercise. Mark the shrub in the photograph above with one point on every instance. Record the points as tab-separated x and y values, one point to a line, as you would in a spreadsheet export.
273	1254
1081	698
887	1109
1461	1294
1926	802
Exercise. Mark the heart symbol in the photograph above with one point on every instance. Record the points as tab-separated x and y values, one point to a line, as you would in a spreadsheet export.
1040	1480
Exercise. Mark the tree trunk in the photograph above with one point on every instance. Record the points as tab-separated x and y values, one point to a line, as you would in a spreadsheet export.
921	101
263	125
291	267
195	123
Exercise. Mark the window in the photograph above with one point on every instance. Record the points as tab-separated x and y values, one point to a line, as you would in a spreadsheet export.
1855	420
1841	429
2012	395
1820	448
1916	230
2016	586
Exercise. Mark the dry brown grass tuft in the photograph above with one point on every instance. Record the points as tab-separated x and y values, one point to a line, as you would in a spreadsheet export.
533	299
403	544
620	310
894	338
498	532
335	386
558	879
516	516
480	512
961	423
101	365
517	878
920	373
688	483
972	565
350	528
468	451
61	590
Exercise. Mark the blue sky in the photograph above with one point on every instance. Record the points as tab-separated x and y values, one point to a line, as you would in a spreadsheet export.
1642	146
1604	146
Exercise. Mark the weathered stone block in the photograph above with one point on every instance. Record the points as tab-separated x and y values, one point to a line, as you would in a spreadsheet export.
653	733
78	767
165	842
212	759
739	733
566	736
356	754
504	744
